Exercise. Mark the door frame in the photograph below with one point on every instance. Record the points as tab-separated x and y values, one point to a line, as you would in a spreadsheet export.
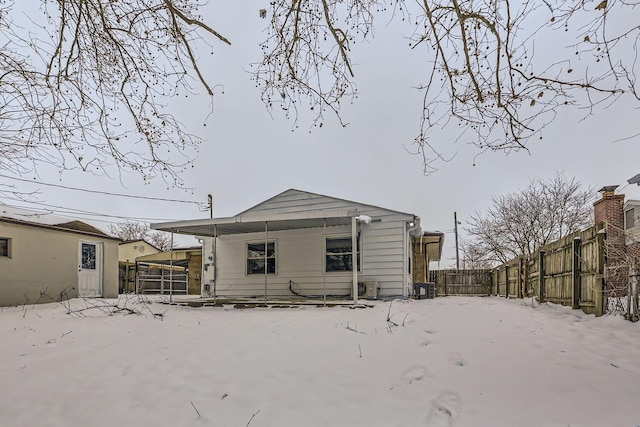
99	264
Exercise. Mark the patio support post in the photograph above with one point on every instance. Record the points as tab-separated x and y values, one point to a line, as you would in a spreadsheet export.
171	269
324	273
215	262
354	258
266	258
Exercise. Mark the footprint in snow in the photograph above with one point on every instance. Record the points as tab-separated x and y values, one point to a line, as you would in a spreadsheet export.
445	409
425	343
456	359
415	373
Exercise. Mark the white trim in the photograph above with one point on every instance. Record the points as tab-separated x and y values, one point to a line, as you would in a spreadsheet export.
9	244
260	242
324	253
99	264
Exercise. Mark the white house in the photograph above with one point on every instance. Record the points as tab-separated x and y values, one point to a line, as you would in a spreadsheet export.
301	243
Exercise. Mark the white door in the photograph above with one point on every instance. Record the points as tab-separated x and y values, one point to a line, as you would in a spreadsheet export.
90	269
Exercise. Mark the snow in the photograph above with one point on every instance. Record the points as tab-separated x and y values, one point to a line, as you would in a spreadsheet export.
449	361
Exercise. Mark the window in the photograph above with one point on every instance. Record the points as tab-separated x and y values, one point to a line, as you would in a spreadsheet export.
339	254
256	258
88	261
5	247
629	218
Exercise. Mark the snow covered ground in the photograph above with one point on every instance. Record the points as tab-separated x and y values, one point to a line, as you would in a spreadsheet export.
450	361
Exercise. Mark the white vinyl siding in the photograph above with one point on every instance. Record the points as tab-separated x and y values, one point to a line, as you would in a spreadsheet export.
629	218
632	221
301	253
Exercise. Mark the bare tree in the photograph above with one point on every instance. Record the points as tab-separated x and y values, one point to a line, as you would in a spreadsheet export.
475	256
484	75
518	224
131	230
85	83
160	240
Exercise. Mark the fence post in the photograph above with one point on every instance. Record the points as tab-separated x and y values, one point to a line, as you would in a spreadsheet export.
541	276
494	282
576	269
506	280
600	297
600	293
445	284
632	303
519	280
126	278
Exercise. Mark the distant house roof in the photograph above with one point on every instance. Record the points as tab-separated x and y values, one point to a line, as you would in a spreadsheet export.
634	180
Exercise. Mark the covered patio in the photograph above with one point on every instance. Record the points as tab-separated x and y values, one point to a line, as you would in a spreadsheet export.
266	225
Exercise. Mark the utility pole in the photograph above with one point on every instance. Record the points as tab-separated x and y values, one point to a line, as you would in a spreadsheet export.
455	227
210	198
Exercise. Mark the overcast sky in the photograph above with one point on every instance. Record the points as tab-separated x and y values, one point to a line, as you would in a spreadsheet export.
249	155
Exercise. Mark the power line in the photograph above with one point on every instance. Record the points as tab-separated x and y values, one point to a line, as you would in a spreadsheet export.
101	192
61	210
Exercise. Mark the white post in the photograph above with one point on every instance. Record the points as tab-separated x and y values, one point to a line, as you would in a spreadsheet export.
171	269
354	258
324	260
215	261
266	258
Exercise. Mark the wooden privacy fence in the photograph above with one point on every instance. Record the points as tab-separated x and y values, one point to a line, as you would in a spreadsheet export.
569	271
461	282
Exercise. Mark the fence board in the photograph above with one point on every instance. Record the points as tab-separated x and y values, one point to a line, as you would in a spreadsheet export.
462	282
560	275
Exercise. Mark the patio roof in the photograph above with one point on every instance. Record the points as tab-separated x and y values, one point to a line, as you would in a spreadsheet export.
241	224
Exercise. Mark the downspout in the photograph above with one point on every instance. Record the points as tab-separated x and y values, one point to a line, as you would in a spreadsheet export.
202	267
413	225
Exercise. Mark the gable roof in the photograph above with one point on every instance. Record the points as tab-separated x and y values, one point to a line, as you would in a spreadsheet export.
36	219
99	234
296	192
302	210
81	226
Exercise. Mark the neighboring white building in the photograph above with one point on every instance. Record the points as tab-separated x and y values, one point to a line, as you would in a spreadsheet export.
632	221
306	242
42	261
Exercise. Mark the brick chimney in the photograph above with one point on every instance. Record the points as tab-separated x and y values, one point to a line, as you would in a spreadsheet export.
610	210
